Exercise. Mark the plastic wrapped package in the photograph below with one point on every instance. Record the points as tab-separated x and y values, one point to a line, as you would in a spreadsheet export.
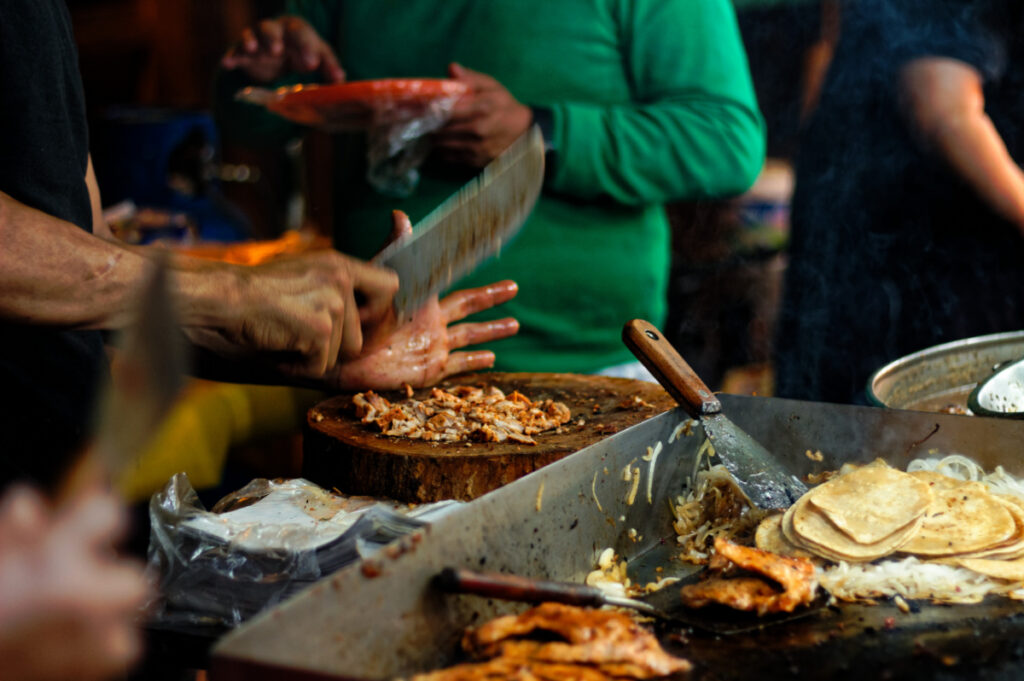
261	544
396	114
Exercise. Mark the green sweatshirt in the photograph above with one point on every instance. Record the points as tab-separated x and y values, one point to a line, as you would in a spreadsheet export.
651	102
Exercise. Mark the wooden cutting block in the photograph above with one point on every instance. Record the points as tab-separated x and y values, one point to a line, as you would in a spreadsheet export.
341	452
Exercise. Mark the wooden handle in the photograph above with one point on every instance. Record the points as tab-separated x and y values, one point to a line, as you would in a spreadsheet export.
516	588
650	347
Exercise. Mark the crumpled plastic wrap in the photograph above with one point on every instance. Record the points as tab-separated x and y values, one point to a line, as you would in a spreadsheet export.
397	115
261	544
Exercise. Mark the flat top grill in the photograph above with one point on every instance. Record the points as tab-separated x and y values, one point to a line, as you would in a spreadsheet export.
381	618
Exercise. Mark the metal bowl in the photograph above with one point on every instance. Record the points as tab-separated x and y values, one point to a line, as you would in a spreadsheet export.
942	377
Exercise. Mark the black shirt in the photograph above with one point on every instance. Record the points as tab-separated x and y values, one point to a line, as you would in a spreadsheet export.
890	251
48	376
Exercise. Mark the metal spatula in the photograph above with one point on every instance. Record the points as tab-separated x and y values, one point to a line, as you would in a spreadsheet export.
758	473
664	605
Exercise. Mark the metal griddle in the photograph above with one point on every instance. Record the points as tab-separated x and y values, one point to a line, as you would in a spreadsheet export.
382	618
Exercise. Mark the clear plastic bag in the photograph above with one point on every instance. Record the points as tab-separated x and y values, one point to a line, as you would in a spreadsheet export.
397	115
261	544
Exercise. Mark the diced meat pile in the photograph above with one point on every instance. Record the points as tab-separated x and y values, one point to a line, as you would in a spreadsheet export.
554	642
773	583
461	414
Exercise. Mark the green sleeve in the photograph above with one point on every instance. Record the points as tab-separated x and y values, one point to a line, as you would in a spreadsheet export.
253	125
693	130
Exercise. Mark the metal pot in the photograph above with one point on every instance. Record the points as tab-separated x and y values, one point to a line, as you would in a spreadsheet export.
941	378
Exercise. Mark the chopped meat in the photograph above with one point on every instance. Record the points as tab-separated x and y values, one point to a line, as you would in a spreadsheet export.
461	414
609	640
793	581
635	402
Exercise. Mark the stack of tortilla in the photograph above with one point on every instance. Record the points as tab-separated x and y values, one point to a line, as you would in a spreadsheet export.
875	511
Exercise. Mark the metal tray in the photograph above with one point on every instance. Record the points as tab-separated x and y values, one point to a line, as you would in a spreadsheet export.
381	618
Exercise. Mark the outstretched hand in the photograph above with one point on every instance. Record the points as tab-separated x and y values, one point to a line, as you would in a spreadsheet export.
420	352
275	47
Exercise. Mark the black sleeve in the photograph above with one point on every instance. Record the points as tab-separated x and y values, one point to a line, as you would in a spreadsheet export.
976	32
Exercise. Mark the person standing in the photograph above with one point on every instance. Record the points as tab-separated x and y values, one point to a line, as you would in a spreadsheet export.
640	103
908	212
65	280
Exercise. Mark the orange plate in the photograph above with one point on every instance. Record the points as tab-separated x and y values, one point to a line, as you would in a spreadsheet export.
358	104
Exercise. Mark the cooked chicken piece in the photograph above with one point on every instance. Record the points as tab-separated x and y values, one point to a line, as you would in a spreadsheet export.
509	669
369	404
740	593
610	640
793	581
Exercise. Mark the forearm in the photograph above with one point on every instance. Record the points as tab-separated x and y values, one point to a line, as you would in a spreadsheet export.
946	111
688	148
54	273
691	129
976	152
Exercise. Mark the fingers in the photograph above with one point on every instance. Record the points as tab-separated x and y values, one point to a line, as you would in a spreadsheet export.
461	304
333	348
96	520
23	514
307	51
474	79
401	228
352	333
377	285
330	68
249	43
401	225
265	50
269	37
110	587
461	362
461	335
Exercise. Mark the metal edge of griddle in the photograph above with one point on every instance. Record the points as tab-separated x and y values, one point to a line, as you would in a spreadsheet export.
841	433
379	618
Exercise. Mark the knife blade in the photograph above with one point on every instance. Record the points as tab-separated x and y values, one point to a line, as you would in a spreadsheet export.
146	380
469	226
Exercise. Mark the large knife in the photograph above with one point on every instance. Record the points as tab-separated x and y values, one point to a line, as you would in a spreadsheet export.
146	380
468	227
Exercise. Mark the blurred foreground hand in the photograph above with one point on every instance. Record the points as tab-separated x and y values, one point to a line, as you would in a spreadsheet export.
68	603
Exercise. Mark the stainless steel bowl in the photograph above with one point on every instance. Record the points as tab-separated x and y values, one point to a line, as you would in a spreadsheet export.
941	378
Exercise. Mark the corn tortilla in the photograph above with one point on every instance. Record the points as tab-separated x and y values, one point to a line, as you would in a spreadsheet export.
769	537
807	527
963	517
872	502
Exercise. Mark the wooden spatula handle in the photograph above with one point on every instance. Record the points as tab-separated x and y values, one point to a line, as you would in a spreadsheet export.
675	375
516	588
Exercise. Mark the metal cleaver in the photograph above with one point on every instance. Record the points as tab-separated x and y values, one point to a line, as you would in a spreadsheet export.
468	227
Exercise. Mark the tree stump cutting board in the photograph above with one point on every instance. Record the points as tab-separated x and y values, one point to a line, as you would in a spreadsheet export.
341	452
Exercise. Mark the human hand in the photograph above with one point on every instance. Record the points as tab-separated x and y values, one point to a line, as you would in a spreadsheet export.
68	604
420	352
275	47
484	121
297	314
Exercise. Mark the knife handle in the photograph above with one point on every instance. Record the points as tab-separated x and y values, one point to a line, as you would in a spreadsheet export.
654	351
515	588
